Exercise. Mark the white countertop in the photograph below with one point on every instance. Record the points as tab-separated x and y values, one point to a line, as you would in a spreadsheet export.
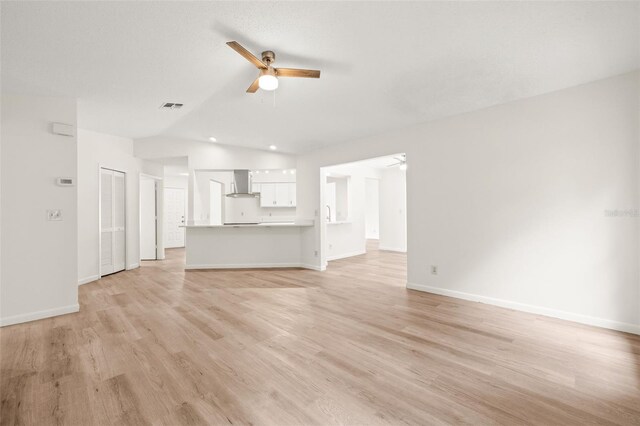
339	222
252	225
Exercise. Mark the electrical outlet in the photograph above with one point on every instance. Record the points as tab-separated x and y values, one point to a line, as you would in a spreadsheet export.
434	270
315	253
54	215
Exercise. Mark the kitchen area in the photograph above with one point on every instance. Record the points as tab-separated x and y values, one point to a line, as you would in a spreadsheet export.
243	219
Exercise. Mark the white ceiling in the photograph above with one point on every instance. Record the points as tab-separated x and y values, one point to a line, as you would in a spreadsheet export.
384	65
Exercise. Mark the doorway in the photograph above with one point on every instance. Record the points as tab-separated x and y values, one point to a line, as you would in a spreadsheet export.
174	213
364	209
148	218
112	221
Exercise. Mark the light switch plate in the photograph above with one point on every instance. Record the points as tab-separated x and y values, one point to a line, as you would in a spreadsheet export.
54	214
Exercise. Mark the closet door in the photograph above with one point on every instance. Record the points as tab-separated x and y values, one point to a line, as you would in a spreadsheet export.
112	221
118	222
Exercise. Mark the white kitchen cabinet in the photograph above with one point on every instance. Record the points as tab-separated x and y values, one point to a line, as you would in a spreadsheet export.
292	194
277	194
268	195
256	187
282	195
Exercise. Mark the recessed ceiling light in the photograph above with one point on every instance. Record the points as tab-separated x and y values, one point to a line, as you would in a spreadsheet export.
266	171
293	172
257	172
212	139
284	172
273	147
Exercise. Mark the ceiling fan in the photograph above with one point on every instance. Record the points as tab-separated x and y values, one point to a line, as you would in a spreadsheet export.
401	161
268	77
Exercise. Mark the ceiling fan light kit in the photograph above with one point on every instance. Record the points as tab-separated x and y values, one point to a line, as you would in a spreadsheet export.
268	76
268	79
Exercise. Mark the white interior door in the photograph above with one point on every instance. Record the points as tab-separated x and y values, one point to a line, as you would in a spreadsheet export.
148	215
112	221
174	207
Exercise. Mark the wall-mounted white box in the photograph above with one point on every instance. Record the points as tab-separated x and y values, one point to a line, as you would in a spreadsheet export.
63	129
65	181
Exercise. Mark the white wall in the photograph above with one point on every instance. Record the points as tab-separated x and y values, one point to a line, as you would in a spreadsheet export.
393	210
509	202
203	155
372	209
39	257
173	181
97	150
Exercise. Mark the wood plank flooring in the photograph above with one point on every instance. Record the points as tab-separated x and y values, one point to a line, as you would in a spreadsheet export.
158	345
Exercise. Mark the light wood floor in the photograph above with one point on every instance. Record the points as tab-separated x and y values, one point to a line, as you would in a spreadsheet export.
159	345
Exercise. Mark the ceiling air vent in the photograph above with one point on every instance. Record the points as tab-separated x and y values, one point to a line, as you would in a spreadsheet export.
170	105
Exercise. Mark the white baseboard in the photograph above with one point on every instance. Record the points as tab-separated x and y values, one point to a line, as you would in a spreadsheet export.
539	310
133	266
345	255
387	248
88	279
32	316
245	266
314	267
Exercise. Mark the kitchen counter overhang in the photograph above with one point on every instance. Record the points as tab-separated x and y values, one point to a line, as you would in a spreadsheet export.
252	225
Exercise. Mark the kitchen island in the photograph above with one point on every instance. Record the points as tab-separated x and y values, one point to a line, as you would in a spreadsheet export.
257	245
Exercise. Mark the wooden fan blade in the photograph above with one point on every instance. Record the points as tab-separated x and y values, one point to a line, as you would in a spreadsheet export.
254	86
292	72
248	55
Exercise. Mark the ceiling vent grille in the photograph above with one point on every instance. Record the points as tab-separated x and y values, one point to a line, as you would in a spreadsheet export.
170	105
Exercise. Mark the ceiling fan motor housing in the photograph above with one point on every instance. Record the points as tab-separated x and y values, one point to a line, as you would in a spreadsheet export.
268	57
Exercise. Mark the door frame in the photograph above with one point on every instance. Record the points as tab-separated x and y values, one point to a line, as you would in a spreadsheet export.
113	169
159	215
186	203
222	201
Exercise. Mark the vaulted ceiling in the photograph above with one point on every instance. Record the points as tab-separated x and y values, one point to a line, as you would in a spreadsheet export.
384	65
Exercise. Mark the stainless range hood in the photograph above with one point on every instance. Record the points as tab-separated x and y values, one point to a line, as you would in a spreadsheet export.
241	186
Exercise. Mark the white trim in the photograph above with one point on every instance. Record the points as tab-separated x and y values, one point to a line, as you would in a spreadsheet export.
396	249
158	187
47	313
132	266
150	176
250	266
540	310
88	279
313	267
345	255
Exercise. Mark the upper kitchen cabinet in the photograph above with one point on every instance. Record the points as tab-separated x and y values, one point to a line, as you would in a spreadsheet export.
277	194
277	188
